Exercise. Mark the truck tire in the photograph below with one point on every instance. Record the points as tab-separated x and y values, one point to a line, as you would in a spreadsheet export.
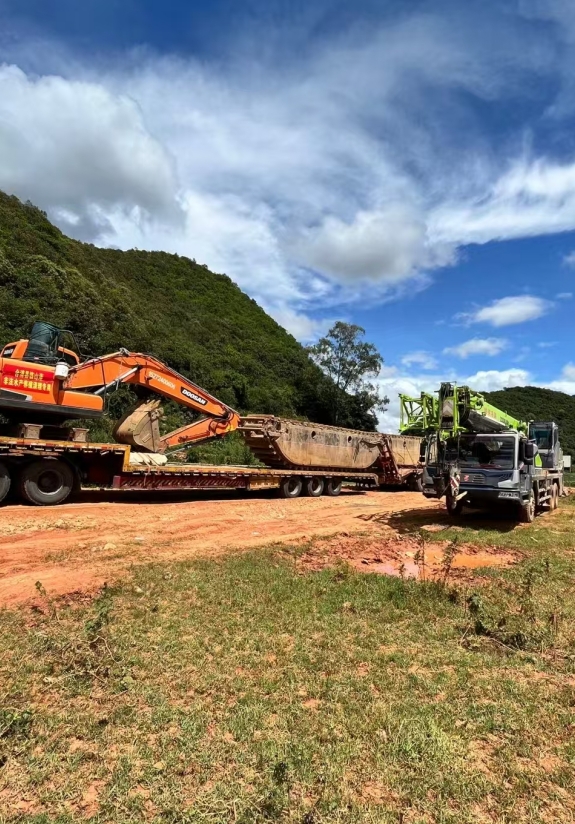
5	481
527	510
313	487
46	483
333	487
291	487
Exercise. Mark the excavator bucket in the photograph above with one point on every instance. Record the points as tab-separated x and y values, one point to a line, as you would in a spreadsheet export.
140	426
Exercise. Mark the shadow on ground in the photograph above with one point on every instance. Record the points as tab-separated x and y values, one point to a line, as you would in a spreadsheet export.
411	521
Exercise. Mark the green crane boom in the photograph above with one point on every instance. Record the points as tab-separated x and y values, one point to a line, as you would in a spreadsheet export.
455	409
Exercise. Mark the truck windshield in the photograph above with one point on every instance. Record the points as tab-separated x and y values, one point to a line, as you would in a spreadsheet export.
493	452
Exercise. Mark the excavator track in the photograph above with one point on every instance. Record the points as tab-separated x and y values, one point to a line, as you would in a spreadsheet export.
282	443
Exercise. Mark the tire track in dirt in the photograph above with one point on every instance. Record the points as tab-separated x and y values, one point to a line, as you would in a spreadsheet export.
79	546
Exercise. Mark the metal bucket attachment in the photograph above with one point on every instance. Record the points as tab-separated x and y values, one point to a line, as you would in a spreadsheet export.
140	426
288	444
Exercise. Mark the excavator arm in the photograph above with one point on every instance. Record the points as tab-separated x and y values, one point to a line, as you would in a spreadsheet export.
140	427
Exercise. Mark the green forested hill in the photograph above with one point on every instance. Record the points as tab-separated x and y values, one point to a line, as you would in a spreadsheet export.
199	322
533	403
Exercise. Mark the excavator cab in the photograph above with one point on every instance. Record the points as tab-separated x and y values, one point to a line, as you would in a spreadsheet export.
44	346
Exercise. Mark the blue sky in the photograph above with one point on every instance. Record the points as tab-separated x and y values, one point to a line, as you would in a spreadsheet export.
406	166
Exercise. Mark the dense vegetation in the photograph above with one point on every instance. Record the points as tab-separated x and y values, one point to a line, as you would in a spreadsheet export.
533	403
199	322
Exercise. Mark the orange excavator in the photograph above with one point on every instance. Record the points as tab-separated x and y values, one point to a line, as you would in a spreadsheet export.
43	381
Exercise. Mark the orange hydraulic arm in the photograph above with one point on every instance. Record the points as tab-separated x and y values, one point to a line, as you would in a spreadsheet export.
110	371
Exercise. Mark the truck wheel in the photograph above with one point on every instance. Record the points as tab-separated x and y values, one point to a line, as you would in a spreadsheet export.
313	487
333	487
45	483
291	487
527	510
453	507
5	481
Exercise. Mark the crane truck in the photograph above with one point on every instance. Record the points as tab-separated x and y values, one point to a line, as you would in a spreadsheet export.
45	386
479	456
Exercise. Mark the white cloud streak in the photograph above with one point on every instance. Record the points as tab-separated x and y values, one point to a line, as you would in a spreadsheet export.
477	346
420	358
509	311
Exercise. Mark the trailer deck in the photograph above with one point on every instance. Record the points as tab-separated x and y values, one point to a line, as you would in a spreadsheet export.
113	466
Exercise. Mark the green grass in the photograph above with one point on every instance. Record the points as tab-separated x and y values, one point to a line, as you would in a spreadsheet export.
241	691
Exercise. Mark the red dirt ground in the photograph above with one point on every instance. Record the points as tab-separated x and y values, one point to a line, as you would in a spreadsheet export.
78	546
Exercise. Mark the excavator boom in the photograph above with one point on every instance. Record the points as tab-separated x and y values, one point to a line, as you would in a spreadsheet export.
40	379
140	427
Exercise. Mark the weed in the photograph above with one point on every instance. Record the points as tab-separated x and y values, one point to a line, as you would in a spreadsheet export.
246	692
447	558
14	722
83	654
419	557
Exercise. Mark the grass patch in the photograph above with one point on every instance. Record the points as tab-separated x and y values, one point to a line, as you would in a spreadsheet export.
240	691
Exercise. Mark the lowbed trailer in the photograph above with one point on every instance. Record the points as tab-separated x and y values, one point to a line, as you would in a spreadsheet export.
44	472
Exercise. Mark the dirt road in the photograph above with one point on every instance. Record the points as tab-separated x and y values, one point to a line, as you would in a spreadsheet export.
76	547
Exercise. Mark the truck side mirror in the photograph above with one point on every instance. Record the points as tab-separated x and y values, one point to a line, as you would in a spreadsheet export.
530	450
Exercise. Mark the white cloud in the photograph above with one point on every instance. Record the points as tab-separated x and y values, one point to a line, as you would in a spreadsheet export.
509	311
569	260
566	381
419	358
80	151
533	197
313	181
477	346
389	245
490	380
547	344
564	295
569	372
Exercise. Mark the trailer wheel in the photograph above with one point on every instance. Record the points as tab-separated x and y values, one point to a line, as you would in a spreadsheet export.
527	510
5	481
313	487
291	487
45	483
333	487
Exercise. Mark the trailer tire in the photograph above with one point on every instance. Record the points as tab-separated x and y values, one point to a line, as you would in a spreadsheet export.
333	487
527	510
46	483
5	481
313	487
291	487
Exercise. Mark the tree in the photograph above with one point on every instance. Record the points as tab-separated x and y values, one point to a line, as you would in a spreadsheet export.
352	364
